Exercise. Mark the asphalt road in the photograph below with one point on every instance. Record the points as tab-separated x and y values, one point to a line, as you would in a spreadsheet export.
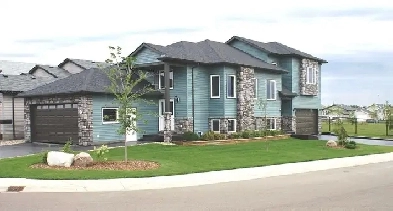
368	187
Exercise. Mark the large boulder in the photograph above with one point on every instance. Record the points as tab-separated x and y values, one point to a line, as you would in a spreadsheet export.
83	159
331	143
55	158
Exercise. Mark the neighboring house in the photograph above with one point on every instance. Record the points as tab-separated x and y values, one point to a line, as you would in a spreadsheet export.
210	86
78	65
18	77
338	111
362	115
12	108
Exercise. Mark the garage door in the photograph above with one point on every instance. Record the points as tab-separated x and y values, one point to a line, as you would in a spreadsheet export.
54	123
306	121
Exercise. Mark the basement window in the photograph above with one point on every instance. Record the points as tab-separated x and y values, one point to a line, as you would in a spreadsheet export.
215	125
110	115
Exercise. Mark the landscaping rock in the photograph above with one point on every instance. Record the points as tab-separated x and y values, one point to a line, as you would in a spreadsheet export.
331	143
60	159
83	159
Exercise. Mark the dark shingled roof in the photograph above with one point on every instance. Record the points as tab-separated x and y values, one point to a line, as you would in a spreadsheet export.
21	83
87	81
85	64
285	92
55	71
276	48
211	52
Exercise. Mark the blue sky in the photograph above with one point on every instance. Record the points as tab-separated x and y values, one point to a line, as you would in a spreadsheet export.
354	36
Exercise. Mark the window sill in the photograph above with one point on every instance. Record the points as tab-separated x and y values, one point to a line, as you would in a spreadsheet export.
164	88
271	99
215	97
108	123
231	97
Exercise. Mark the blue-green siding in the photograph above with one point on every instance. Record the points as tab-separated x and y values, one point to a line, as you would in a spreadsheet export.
108	132
230	104
312	102
201	98
250	50
146	55
273	107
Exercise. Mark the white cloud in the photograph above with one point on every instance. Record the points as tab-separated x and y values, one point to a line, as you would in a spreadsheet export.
124	22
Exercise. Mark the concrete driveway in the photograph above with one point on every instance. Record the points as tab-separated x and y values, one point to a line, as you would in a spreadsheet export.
33	148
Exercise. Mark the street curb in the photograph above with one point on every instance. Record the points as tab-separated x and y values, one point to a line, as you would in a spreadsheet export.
188	180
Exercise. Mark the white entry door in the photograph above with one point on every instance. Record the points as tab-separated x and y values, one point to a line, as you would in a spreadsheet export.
161	119
131	135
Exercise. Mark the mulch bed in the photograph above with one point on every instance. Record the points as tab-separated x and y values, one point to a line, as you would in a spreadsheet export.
132	165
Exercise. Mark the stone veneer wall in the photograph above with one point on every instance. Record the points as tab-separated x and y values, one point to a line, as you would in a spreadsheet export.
289	123
85	114
245	99
308	89
260	123
183	124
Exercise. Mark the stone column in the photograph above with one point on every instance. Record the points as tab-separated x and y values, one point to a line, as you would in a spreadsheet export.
245	99
167	127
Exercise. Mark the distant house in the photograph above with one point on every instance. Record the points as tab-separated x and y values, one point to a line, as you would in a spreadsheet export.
362	115
338	111
17	77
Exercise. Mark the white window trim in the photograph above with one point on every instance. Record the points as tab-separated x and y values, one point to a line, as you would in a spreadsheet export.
211	125
275	89
112	122
234	88
211	86
170	77
274	123
234	125
312	80
255	88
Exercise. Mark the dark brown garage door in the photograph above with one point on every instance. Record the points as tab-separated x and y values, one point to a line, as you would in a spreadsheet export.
306	121
54	123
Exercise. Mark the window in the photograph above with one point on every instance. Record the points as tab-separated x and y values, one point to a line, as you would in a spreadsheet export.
311	77
110	115
214	86
231	86
255	82
231	125
215	125
162	107
161	81
271	124
271	89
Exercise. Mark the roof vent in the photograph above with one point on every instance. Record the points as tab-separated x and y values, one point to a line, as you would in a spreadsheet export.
33	77
274	63
5	76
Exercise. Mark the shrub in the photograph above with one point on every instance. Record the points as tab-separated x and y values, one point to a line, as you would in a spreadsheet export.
67	146
247	134
219	137
262	133
101	151
236	136
257	133
350	145
45	157
208	136
190	136
273	132
268	133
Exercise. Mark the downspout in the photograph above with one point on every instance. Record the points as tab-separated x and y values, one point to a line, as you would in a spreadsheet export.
193	98
13	116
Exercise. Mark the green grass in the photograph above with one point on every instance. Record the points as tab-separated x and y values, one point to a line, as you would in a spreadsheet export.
190	159
364	129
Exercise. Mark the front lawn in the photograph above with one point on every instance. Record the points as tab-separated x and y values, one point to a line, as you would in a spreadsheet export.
190	159
364	129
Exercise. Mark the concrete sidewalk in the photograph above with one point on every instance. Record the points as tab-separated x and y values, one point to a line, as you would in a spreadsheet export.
129	184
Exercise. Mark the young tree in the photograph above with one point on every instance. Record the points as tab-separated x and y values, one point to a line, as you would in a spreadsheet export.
262	104
128	86
373	110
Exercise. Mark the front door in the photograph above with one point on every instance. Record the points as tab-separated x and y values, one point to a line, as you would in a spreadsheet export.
131	135
161	119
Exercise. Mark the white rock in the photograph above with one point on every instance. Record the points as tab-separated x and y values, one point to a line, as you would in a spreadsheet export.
331	143
60	159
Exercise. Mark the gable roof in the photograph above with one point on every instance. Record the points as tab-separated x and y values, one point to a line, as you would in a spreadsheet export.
14	68
208	52
21	83
275	48
54	71
88	81
84	64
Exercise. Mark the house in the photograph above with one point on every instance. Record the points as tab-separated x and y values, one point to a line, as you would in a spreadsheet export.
199	86
11	108
338	111
362	115
78	65
19	77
